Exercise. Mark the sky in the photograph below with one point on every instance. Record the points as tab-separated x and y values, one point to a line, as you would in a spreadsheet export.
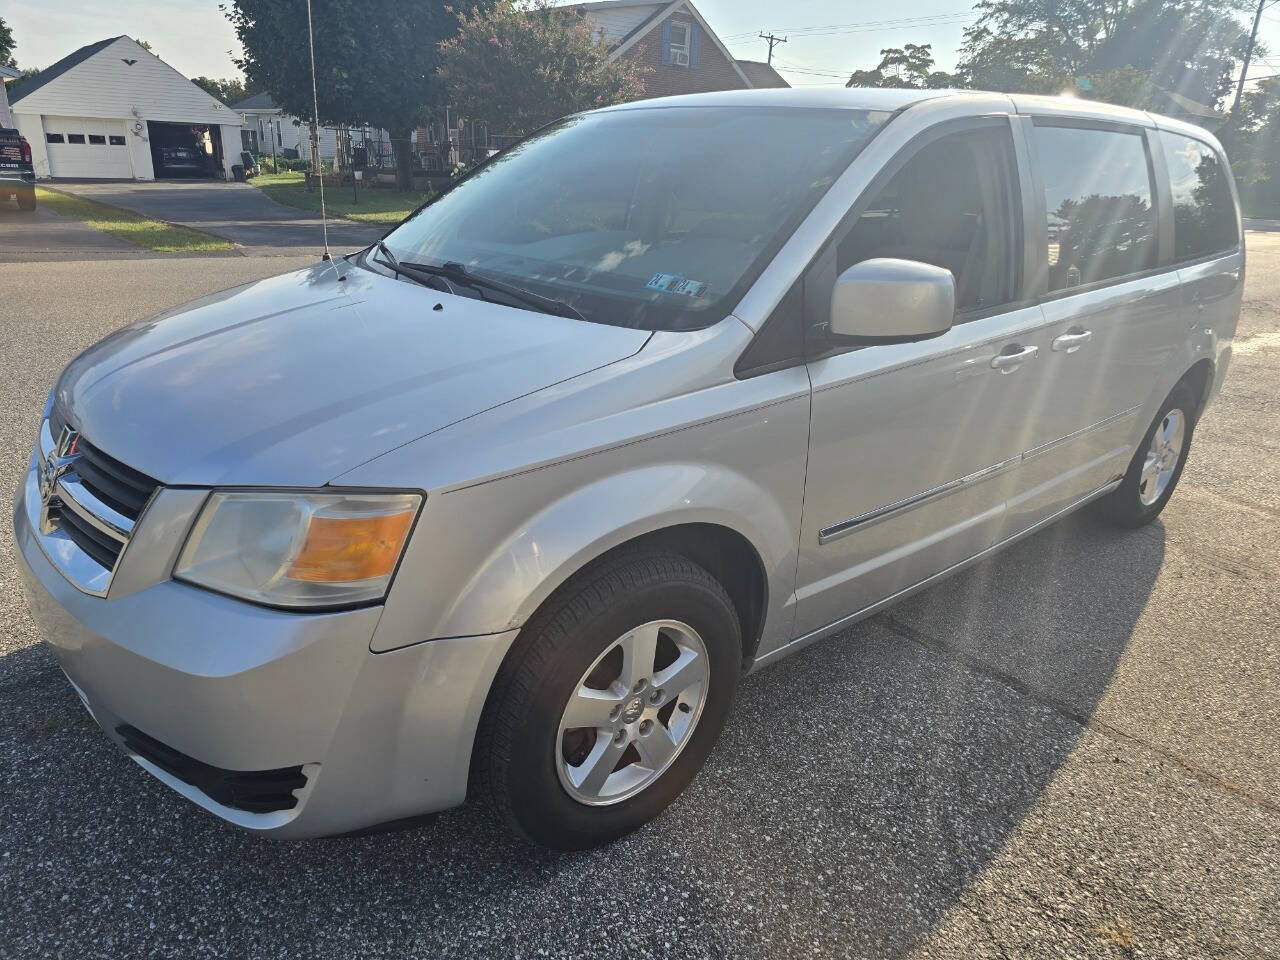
826	39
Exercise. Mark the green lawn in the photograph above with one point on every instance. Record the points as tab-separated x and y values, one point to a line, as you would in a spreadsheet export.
375	204
135	228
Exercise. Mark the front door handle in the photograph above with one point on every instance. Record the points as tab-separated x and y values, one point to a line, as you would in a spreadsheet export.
1012	357
1072	340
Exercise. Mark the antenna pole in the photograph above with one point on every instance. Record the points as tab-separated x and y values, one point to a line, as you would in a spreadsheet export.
772	42
315	126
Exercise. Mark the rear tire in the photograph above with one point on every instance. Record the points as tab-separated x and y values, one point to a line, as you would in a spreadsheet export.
571	780
26	199
1157	465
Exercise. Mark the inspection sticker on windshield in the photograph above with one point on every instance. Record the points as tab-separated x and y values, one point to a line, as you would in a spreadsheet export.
674	283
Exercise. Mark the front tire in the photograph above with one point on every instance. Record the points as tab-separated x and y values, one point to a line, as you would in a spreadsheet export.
610	701
1157	465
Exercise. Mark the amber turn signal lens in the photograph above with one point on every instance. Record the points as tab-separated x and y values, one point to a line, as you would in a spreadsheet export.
343	549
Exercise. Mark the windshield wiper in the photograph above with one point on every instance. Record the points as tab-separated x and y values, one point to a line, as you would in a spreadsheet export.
412	271
460	275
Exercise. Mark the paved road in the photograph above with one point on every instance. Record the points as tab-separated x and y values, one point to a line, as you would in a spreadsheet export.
237	211
1071	750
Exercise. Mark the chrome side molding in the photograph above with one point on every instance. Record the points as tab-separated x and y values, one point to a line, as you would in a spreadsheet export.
872	517
804	640
1114	418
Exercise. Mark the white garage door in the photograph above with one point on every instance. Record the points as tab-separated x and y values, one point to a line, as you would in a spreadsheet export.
86	147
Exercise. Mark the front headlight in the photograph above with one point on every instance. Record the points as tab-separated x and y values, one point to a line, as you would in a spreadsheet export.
299	549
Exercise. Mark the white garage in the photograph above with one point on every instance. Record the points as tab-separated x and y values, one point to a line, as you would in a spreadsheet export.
85	147
113	111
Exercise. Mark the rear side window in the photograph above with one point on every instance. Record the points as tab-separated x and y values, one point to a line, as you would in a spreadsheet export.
1098	200
1204	215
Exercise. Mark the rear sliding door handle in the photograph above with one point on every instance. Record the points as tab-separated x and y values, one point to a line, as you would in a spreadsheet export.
1072	340
1012	357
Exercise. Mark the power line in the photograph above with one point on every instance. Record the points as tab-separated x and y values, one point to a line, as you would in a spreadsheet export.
772	42
887	24
865	26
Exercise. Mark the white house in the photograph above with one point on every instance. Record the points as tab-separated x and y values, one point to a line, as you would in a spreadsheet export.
267	129
110	109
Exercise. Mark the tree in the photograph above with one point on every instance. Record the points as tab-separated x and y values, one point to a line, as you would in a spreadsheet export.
910	65
1255	149
1121	50
229	91
144	45
520	65
6	45
375	61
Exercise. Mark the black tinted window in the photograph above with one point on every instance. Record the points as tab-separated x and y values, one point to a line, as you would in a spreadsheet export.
951	205
75	138
1097	191
53	137
1204	215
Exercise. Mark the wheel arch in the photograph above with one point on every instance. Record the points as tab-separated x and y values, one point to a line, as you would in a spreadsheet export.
1199	376
723	552
740	531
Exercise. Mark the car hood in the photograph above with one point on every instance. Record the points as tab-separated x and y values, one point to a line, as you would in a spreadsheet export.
299	378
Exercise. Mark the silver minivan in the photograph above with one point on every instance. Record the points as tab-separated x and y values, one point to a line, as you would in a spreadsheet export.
503	506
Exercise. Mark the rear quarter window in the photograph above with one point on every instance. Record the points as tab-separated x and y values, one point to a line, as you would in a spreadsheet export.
1204	213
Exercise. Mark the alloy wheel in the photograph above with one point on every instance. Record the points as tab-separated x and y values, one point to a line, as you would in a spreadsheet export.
632	712
1162	457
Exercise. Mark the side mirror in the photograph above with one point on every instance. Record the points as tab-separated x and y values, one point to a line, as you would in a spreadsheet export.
893	301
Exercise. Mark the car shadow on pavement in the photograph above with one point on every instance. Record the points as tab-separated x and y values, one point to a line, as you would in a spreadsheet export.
859	789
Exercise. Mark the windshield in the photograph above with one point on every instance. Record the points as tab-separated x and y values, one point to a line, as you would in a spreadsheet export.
657	217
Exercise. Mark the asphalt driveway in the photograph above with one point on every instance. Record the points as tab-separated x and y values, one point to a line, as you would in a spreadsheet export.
237	212
1071	750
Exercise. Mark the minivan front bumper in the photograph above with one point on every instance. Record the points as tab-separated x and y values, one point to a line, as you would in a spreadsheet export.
230	688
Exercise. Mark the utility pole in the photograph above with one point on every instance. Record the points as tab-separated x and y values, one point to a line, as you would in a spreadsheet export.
1244	70
776	40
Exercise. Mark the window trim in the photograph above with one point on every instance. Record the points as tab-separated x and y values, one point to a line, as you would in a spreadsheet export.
686	48
1159	196
1052	295
824	261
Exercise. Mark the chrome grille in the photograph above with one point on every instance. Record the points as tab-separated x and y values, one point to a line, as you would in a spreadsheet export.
88	498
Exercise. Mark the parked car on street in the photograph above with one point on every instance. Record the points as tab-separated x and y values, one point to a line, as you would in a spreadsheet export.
17	175
504	506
